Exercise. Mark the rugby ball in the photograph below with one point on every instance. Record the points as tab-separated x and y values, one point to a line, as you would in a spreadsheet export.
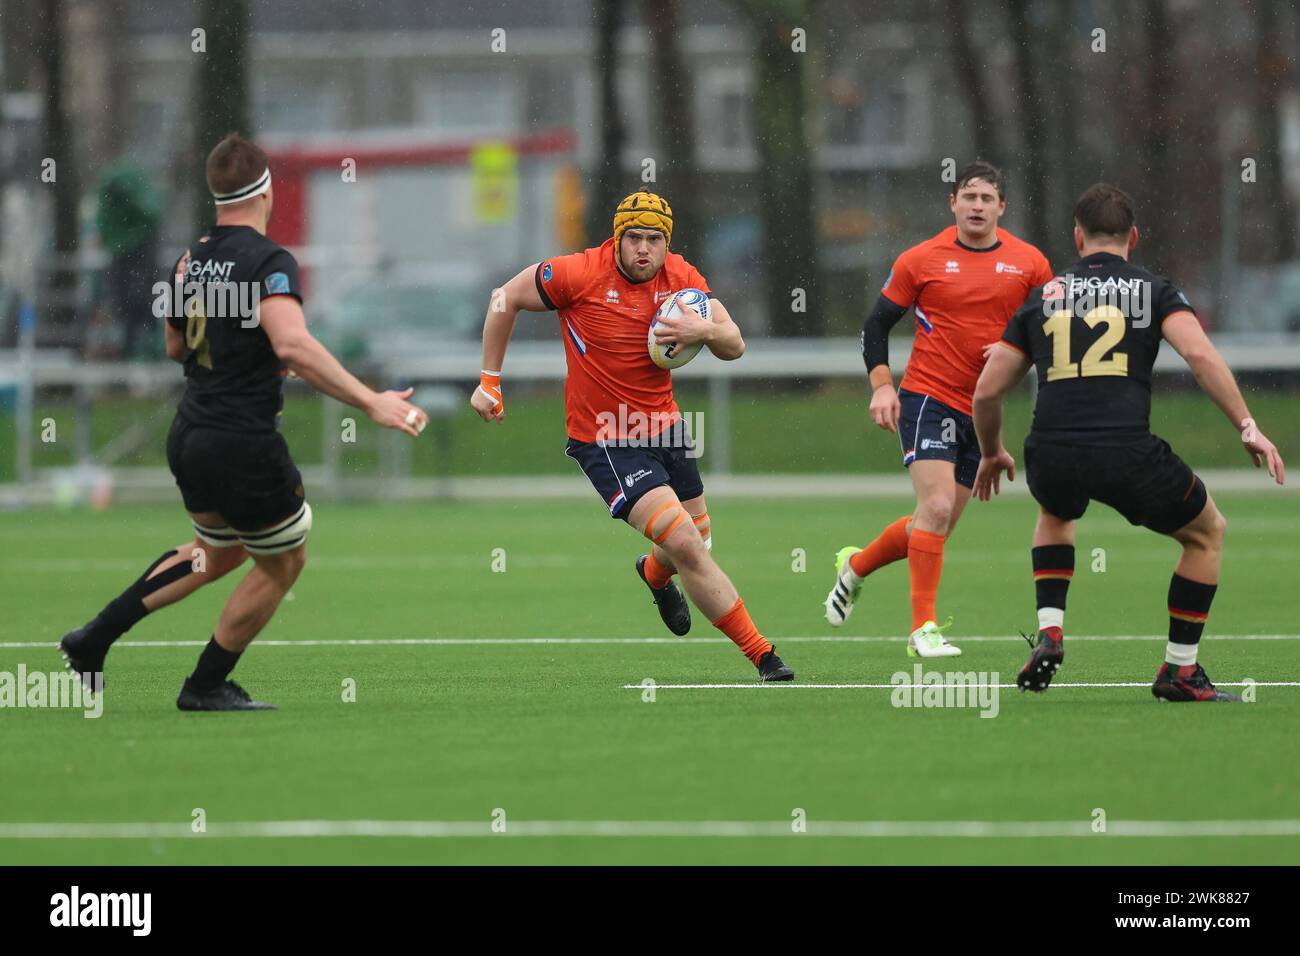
673	355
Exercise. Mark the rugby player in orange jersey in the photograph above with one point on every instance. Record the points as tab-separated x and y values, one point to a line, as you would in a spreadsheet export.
964	284
624	427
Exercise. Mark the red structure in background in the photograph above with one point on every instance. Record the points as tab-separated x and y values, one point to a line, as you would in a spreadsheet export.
292	166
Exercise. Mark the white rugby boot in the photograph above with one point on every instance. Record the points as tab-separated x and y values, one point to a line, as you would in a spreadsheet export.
839	602
927	641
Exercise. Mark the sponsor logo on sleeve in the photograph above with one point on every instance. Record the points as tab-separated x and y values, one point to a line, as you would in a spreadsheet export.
277	283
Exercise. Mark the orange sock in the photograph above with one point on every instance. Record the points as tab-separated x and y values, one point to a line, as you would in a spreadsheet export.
656	575
891	546
925	560
737	626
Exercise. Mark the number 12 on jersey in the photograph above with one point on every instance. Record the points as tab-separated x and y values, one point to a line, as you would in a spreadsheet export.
1094	361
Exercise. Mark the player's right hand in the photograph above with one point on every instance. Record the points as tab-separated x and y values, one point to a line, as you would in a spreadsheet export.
392	410
988	480
487	399
1262	451
885	407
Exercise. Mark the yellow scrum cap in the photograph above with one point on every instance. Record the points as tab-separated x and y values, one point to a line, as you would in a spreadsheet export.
643	210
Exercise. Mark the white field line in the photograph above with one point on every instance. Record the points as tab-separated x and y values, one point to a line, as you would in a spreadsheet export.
1014	555
681	641
793	685
460	829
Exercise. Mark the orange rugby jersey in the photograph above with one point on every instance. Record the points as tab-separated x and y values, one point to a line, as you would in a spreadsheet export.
605	320
963	298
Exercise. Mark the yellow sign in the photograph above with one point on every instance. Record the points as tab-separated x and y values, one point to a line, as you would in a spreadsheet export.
495	171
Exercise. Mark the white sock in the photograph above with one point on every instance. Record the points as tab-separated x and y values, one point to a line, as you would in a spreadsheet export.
1051	617
1180	654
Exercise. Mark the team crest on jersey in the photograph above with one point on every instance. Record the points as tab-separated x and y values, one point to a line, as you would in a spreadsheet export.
546	272
277	283
1010	268
952	266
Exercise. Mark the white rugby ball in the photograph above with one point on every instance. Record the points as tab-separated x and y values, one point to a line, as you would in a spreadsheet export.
674	355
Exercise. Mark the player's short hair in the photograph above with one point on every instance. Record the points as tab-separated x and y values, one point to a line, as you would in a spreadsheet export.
981	170
233	164
1104	210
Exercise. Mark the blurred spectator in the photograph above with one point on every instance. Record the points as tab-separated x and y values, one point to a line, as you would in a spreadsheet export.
128	218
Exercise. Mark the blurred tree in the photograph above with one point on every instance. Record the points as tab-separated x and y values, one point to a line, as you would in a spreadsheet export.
787	200
19	57
221	93
128	217
1159	119
1067	175
972	80
674	120
1274	218
115	15
66	191
1032	110
610	183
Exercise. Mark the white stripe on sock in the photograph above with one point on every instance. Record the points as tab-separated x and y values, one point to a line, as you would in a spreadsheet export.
1051	617
1180	654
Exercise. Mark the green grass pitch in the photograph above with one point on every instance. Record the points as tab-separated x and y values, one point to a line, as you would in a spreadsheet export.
547	732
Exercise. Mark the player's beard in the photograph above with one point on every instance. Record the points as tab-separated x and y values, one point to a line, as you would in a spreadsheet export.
641	273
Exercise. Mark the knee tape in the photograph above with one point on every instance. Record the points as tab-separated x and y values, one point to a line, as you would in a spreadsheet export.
664	521
705	528
285	536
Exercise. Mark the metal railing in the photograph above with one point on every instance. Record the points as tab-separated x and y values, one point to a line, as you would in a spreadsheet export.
770	359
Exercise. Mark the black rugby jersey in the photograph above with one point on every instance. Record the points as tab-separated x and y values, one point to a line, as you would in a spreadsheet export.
1093	332
234	380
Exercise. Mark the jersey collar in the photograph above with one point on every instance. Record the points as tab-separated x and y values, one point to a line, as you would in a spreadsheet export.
973	249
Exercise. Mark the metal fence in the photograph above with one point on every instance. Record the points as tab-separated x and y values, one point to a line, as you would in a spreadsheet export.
443	378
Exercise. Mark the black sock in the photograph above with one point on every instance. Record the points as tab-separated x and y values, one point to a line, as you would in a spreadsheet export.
215	665
1053	569
1189	606
125	611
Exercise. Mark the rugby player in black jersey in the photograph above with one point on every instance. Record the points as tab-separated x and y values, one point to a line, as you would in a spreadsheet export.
235	320
1093	332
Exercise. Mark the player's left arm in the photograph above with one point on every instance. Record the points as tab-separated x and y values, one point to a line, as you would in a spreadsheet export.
1005	367
1183	331
175	343
719	332
176	348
